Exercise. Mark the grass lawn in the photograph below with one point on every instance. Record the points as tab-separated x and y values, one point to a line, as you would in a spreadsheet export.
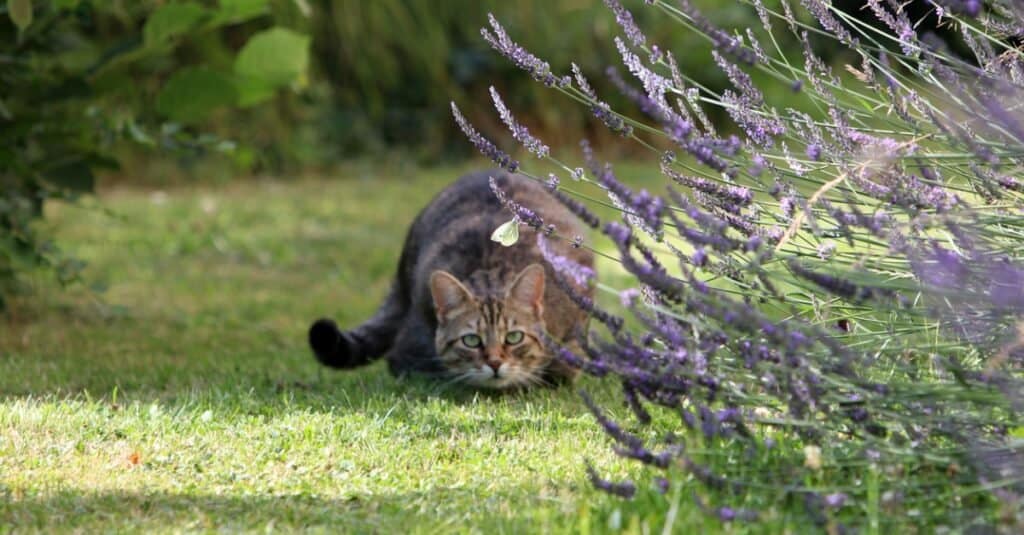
184	397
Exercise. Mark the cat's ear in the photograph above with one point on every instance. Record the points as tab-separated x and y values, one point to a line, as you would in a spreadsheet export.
527	290
449	294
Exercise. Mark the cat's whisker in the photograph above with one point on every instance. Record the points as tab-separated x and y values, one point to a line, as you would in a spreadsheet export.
458	378
538	380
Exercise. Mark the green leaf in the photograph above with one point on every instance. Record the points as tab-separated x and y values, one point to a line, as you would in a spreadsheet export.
241	10
170	21
507	234
193	93
252	91
20	12
277	56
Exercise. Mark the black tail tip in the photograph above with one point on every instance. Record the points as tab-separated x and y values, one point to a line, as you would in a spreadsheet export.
325	339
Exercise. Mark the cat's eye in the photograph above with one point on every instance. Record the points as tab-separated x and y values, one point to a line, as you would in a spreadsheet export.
514	337
471	340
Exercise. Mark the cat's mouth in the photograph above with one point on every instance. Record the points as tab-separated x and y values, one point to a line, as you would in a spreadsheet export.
485	377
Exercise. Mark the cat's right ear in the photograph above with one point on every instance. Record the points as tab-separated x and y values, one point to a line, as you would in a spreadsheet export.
450	296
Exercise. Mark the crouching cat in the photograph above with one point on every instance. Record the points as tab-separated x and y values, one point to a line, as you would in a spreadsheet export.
465	307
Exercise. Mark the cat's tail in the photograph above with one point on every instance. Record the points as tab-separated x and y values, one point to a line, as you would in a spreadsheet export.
362	345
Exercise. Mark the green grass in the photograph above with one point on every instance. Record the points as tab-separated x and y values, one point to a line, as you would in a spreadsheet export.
184	397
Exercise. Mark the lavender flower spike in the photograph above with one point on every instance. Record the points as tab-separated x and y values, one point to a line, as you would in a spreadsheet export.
519	131
520	213
625	20
483	144
625	489
540	70
578	273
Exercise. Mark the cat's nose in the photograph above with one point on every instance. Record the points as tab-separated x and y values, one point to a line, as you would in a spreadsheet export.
494	364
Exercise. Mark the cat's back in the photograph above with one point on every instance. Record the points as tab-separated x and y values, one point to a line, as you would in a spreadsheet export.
469	210
453	232
469	195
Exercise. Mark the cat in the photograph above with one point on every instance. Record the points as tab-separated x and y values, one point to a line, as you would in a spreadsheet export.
468	308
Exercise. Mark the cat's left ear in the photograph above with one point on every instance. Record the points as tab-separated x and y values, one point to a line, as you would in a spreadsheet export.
450	296
527	289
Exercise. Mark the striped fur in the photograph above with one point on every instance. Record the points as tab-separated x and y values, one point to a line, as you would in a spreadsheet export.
451	237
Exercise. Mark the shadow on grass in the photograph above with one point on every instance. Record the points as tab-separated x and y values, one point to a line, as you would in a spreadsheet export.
159	511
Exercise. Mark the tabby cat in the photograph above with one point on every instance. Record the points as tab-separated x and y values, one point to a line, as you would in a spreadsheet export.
465	307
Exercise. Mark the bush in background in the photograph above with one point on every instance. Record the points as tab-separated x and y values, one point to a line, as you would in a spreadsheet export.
83	78
393	65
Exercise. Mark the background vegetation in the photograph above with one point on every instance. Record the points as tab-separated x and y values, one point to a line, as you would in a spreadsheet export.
153	92
186	399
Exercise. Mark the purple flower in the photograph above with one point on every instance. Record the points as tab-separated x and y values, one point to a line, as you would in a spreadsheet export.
628	297
621	436
820	10
944	270
483	144
625	20
624	489
762	14
700	257
900	25
733	197
836	500
971	8
519	131
586	303
641	209
620	234
592	366
720	39
814	151
656	54
751	94
654	84
520	213
540	70
629	392
577	208
612	120
578	273
582	83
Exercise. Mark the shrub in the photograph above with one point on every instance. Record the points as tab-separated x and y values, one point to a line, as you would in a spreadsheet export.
74	88
831	299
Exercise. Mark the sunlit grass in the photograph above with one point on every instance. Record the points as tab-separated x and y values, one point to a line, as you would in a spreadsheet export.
184	396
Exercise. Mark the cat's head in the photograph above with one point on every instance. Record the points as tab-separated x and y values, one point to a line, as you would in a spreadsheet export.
494	340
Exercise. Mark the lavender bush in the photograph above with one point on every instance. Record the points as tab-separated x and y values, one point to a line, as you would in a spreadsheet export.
830	300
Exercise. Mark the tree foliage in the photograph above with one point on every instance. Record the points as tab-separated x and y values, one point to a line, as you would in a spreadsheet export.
81	77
